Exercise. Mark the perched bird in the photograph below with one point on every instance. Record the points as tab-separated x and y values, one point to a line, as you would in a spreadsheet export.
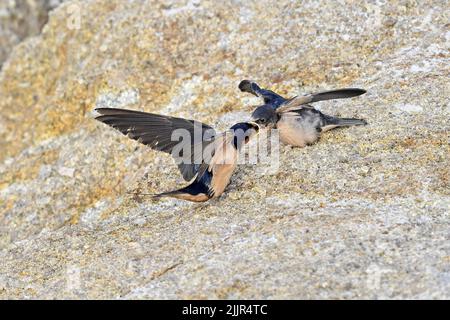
204	158
299	124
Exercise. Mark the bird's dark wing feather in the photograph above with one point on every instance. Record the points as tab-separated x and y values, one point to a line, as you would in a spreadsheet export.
337	94
299	101
269	96
156	130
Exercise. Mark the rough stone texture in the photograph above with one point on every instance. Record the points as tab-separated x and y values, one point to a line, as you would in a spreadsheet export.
362	214
20	19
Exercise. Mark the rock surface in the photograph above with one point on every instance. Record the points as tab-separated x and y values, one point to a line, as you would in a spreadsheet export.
364	213
20	19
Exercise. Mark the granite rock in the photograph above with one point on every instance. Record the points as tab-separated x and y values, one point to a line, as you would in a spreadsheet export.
20	19
364	213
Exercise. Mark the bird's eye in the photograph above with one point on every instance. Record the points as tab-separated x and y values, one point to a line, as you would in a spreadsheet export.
262	121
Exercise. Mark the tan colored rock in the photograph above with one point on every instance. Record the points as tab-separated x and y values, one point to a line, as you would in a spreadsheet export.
361	214
20	19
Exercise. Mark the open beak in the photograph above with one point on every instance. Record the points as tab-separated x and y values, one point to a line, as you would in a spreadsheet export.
254	125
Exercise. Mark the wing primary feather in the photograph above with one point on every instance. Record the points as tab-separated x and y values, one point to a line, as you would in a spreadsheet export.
337	94
155	131
300	101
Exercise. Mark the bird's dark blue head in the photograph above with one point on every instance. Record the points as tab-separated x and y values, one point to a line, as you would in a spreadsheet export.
242	132
265	115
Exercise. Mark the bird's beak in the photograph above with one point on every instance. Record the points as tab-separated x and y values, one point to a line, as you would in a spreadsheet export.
254	125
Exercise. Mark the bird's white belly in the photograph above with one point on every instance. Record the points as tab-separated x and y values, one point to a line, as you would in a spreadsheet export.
295	132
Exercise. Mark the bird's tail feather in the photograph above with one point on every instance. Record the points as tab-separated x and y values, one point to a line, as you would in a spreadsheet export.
153	195
195	192
343	122
172	194
332	122
198	191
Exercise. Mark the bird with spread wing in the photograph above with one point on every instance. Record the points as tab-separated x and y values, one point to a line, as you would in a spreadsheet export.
206	159
299	124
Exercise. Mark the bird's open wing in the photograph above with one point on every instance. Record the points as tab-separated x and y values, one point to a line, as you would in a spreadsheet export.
299	101
269	96
168	134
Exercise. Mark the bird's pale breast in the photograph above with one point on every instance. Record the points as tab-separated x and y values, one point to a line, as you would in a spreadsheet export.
222	166
295	131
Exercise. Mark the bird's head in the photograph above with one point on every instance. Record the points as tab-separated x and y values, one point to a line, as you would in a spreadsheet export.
265	116
243	132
